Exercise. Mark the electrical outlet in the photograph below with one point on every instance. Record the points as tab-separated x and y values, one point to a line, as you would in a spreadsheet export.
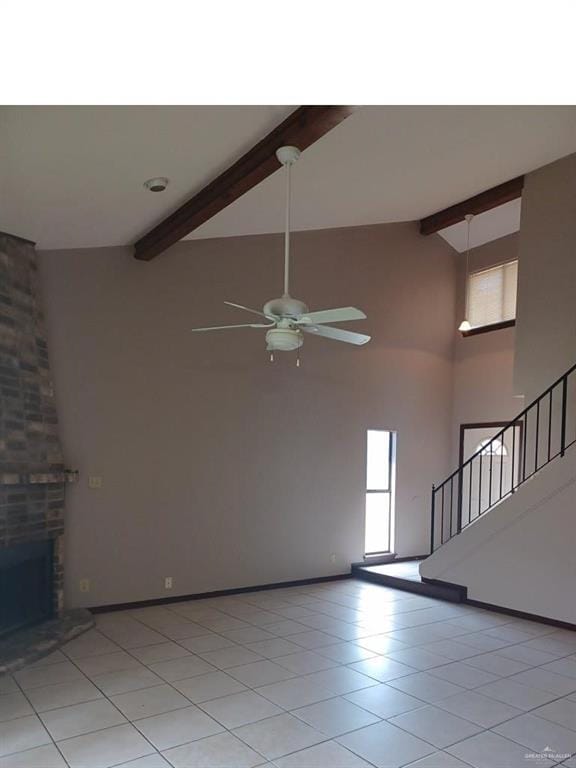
84	585
168	582
332	558
94	482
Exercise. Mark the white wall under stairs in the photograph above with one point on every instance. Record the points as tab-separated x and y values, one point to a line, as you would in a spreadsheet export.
522	553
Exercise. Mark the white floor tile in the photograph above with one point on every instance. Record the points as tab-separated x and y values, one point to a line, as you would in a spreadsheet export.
384	701
286	627
149	701
260	673
180	669
425	686
107	662
91	643
271	649
205	643
240	709
296	692
488	750
150	761
13	705
479	709
517	695
385	746
561	685
113	683
81	718
463	675
335	716
329	753
8	684
537	734
248	635
105	748
436	726
51	658
150	654
565	666
419	658
230	657
561	711
38	677
497	664
549	644
382	668
341	680
346	653
305	662
453	649
221	751
484	642
209	686
279	736
174	728
21	734
314	639
63	695
439	760
40	757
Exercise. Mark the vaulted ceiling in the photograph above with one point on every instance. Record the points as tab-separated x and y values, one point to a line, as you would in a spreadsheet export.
73	176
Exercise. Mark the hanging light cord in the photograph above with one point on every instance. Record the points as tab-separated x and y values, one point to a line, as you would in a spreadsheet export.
469	217
287	234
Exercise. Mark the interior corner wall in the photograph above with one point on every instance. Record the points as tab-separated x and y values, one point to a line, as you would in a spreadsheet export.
483	363
546	318
219	468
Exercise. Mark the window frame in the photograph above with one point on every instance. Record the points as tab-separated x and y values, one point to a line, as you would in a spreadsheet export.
498	326
390	491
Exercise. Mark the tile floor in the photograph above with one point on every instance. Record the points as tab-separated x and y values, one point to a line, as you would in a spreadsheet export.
344	674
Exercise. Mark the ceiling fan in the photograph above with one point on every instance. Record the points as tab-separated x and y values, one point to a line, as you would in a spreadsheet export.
288	318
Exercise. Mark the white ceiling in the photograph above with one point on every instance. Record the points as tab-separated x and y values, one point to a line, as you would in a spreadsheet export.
72	176
485	227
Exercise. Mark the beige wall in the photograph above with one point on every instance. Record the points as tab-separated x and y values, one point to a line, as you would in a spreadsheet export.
484	363
546	327
221	469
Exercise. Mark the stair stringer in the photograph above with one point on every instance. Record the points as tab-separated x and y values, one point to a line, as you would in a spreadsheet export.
521	554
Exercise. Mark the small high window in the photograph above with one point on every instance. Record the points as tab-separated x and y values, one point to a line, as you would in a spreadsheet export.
491	448
492	295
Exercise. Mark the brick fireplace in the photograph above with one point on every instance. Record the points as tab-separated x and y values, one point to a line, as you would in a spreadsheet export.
32	473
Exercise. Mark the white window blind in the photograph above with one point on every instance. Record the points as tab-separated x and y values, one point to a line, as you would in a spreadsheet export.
492	295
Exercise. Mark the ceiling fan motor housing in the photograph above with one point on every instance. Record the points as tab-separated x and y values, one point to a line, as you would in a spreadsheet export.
285	307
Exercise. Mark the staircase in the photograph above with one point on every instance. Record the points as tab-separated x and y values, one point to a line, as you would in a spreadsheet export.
539	435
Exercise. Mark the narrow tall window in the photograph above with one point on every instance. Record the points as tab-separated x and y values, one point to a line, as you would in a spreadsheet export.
380	482
492	295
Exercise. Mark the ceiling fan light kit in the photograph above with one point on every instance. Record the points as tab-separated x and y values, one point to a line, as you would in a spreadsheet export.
288	318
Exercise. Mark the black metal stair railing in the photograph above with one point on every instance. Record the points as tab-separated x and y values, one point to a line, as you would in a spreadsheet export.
538	435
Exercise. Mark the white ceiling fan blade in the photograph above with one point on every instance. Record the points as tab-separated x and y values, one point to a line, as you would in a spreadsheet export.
227	327
339	315
338	334
246	309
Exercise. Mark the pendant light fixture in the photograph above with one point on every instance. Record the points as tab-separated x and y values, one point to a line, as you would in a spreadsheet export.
465	324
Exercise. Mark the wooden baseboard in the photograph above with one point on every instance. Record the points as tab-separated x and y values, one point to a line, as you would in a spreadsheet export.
217	593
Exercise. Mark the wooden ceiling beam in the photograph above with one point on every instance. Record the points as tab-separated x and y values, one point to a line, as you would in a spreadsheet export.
485	201
301	128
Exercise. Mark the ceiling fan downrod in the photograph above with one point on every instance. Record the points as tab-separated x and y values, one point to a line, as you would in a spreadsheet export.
287	156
